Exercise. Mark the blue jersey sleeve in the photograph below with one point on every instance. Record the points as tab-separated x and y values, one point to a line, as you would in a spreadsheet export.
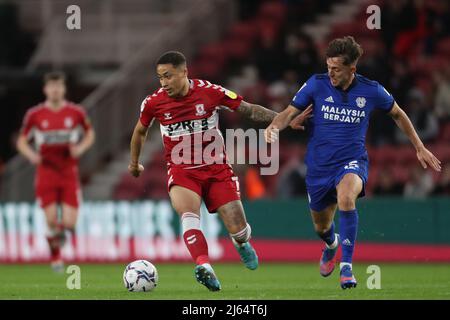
305	95
384	100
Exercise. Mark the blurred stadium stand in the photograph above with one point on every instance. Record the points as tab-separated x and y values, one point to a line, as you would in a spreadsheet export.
262	49
114	104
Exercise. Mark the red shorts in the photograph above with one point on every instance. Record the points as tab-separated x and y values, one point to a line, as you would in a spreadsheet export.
53	187
216	184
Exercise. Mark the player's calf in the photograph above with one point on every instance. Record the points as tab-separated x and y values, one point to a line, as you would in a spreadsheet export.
194	239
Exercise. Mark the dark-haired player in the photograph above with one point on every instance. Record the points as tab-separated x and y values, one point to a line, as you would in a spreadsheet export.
187	110
337	160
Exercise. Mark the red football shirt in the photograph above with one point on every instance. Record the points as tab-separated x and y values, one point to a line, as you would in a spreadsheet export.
190	124
54	131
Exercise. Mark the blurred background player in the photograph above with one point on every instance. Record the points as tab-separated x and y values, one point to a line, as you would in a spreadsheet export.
186	108
337	158
55	125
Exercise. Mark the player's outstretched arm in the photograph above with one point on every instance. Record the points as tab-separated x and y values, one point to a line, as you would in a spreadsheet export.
260	114
284	119
298	121
27	151
256	112
425	157
136	144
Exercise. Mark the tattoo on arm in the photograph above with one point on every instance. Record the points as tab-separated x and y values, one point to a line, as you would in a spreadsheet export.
262	114
245	109
256	112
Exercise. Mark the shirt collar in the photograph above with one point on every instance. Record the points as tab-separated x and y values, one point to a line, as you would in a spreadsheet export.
351	86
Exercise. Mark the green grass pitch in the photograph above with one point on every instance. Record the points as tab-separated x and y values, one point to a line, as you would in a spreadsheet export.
271	281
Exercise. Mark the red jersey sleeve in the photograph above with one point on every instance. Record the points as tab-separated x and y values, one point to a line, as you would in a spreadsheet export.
225	97
83	119
147	112
231	99
28	122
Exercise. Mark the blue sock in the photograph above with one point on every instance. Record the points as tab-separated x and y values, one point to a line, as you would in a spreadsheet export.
348	224
328	236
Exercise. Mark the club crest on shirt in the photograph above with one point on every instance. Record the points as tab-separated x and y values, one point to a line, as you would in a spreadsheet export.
167	116
361	102
68	122
200	109
45	124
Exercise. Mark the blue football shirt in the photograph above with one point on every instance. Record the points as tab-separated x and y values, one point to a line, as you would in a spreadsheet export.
337	130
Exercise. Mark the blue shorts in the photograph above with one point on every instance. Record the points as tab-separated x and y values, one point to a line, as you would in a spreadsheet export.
322	188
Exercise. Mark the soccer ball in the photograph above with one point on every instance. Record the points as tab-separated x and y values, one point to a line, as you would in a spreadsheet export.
140	276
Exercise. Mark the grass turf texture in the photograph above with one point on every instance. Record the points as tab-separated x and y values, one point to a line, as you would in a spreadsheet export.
269	281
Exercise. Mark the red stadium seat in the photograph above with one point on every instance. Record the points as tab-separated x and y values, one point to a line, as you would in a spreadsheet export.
129	188
214	52
356	28
443	47
269	29
371	151
209	69
371	46
426	65
126	194
194	72
406	155
274	10
445	133
155	176
401	173
237	48
128	181
247	31
159	161
436	175
374	171
441	151
157	193
425	84
385	155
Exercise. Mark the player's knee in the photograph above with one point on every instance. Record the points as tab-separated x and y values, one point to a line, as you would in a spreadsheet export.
52	219
69	225
52	223
242	236
346	202
181	208
69	220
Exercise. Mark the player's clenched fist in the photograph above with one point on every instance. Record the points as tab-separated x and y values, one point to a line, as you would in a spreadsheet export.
271	133
35	159
135	169
76	151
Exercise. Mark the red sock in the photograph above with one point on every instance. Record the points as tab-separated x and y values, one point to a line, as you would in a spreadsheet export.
55	249
196	243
